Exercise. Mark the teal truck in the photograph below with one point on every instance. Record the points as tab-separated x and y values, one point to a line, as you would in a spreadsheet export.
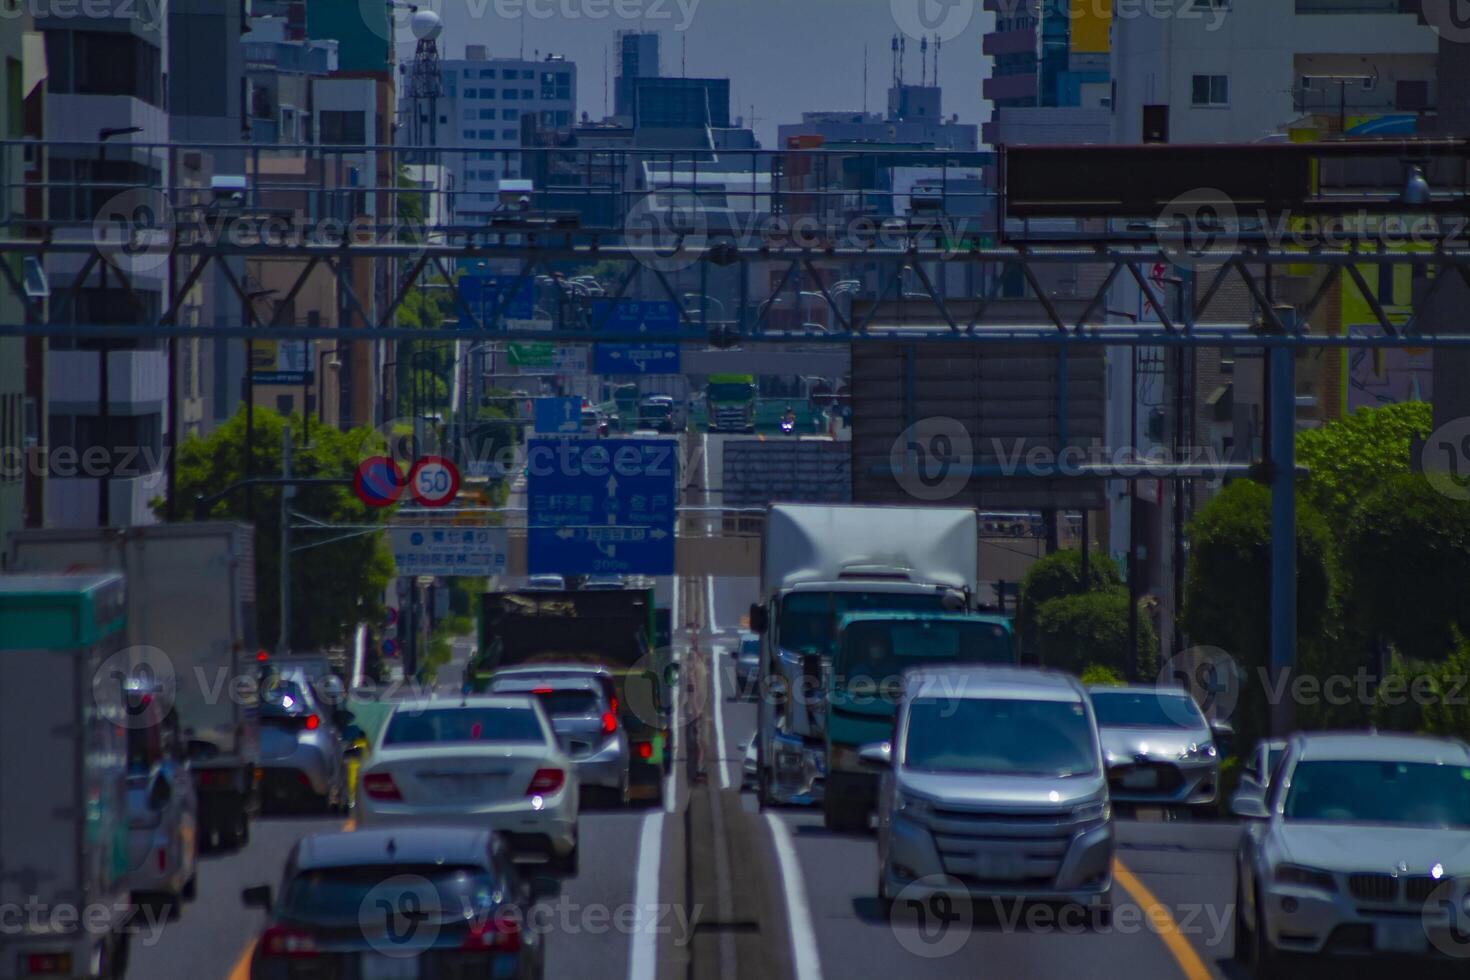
65	713
863	687
730	402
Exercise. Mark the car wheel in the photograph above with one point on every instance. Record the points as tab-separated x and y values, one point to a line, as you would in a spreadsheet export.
567	865
1244	934
843	819
1265	960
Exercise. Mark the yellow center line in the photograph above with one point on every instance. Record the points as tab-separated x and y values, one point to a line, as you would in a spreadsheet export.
1158	916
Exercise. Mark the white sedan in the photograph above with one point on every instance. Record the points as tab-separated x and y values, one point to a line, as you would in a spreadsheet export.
489	761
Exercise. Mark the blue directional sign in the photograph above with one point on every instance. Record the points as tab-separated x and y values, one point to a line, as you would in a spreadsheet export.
559	416
650	317
601	506
481	293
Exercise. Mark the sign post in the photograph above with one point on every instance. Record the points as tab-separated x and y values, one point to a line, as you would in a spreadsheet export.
652	317
601	506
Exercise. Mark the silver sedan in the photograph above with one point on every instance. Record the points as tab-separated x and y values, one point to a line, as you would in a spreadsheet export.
1159	748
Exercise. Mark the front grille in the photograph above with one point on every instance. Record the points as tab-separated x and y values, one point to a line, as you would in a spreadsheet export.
1418	888
1037	841
1374	887
1168	777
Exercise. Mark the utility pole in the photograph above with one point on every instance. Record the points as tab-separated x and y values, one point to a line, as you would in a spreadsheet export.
283	641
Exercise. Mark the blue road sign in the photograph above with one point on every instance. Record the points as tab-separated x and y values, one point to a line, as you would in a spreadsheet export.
558	416
601	506
481	293
652	317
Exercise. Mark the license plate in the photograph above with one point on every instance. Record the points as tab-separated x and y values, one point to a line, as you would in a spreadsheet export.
376	966
1400	937
1140	779
1000	867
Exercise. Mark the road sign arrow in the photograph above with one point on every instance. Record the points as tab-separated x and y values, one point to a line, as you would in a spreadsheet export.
658	534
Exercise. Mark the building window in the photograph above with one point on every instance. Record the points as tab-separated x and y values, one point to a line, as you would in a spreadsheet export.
469	134
487	134
512	114
104	64
527	74
556	85
487	72
343	127
1211	90
471	93
508	134
489	113
509	93
527	93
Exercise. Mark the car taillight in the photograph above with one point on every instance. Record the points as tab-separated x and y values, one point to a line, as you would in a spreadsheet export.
498	934
380	786
312	723
48	963
609	723
546	781
285	941
645	750
612	704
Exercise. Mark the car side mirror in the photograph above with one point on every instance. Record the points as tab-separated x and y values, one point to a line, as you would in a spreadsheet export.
758	618
877	754
1224	735
256	897
1249	806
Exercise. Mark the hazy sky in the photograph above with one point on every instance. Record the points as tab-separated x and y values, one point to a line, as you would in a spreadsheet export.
783	56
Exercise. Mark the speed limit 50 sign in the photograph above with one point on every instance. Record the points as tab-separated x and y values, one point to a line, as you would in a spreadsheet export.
433	481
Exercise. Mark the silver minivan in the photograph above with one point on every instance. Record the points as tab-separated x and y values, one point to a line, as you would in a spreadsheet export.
993	786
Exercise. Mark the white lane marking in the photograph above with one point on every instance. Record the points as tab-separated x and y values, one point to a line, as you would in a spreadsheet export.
721	757
643	953
806	964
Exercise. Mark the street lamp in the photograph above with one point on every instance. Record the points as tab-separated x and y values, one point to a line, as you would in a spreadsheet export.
322	365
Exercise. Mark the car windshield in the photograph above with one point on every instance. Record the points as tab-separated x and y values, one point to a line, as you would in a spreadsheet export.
1146	709
420	726
728	392
999	736
341	894
809	620
875	651
1414	793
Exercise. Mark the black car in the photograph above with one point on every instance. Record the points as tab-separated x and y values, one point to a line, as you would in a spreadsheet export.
408	903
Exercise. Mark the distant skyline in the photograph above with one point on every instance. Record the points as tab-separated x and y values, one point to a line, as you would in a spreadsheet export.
785	57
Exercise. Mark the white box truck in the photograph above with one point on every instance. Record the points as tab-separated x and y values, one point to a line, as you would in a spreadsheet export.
191	620
820	562
63	771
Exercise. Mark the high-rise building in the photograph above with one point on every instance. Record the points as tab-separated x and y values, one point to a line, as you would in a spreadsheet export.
480	112
18	412
106	103
638	57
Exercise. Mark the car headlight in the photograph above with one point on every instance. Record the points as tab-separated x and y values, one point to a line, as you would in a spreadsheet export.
1199	750
1098	811
1301	877
914	807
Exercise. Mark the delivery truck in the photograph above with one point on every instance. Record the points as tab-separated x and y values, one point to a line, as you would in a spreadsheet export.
63	776
191	618
819	563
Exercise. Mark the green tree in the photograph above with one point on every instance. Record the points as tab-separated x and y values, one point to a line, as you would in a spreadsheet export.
1348	459
1058	574
333	586
1227	599
1426	697
1090	631
1407	555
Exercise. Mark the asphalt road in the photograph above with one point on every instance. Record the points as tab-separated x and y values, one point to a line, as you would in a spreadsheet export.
1171	910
